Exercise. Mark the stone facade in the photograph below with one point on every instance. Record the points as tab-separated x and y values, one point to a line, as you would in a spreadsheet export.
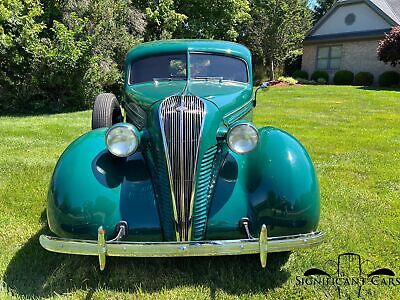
357	56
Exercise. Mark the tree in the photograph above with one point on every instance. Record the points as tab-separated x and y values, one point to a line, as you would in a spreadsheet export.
321	8
58	55
389	47
162	20
277	31
19	42
112	27
218	19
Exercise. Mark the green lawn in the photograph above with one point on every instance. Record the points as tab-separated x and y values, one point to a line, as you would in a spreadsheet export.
353	136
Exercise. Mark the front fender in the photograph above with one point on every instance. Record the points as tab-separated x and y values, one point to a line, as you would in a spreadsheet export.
283	190
91	188
275	185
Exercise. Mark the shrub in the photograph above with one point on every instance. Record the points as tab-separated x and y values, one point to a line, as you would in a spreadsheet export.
288	80
300	74
389	47
321	81
364	79
343	77
389	78
305	81
320	74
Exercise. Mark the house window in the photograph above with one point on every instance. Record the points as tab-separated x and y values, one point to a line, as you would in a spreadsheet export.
328	58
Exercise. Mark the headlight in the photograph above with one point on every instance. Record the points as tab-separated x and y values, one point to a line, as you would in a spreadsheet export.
242	138
122	139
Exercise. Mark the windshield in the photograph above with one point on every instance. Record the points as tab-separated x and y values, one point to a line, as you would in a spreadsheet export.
161	67
203	66
220	67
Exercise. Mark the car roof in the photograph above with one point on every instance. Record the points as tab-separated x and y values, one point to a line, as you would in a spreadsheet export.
171	46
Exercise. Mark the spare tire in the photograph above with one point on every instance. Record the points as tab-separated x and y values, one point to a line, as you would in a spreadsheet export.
106	111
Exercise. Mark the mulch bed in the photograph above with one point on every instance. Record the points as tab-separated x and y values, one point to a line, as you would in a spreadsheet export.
281	83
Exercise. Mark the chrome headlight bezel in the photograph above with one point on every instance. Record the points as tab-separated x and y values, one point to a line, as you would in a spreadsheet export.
242	125
130	139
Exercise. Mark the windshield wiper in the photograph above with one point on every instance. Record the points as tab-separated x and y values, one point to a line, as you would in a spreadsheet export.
219	78
168	78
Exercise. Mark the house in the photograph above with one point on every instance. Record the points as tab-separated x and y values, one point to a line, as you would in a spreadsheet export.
347	36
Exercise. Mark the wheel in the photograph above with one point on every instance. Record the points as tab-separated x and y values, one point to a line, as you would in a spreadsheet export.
106	111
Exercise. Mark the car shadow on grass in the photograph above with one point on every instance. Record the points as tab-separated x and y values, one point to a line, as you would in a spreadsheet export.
35	272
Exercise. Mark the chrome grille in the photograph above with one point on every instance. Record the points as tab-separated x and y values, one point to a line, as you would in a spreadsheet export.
181	119
205	186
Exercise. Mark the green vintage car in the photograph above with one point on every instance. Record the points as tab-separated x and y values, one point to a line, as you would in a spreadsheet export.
177	168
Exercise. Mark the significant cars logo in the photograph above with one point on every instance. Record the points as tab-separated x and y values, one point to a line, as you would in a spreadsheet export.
348	271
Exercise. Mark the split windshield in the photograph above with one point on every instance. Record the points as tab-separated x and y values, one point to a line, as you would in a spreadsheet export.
203	66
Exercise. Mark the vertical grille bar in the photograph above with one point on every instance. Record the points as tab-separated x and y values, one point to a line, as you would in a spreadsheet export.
181	119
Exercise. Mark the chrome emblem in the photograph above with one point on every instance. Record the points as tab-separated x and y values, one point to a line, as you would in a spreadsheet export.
181	108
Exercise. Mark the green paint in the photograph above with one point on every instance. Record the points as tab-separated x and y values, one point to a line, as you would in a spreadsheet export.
273	185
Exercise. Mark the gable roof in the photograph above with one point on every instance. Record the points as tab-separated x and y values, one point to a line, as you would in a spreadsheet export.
387	9
390	7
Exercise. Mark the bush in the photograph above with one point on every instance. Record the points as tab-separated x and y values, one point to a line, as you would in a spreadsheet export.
321	81
300	74
320	74
389	47
364	79
305	81
288	80
343	77
389	78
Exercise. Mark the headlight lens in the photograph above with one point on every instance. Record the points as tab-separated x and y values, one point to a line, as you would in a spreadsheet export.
122	139
242	138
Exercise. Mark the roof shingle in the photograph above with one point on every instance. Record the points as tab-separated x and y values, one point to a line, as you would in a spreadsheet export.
390	7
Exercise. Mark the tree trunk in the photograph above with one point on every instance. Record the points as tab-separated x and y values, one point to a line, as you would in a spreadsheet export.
272	70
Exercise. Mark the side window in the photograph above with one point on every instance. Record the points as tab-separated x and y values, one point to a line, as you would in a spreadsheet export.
329	58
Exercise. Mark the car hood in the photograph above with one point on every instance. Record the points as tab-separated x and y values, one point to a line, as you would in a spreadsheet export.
227	96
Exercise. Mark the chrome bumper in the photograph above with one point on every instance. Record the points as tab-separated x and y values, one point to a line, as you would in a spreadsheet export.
101	248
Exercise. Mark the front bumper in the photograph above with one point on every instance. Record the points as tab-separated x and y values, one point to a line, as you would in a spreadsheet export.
102	248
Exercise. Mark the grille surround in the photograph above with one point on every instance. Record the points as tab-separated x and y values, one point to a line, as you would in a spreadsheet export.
181	122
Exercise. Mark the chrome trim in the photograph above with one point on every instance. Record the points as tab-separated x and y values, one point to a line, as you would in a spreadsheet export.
238	111
181	122
176	249
174	208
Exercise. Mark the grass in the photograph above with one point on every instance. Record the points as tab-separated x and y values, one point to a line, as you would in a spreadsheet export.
353	136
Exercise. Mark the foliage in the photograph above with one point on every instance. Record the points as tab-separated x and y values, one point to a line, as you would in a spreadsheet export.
288	80
305	81
58	55
38	64
113	27
162	20
389	47
343	77
219	19
259	75
293	63
55	65
320	75
389	78
364	79
19	41
321	8
300	74
277	31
